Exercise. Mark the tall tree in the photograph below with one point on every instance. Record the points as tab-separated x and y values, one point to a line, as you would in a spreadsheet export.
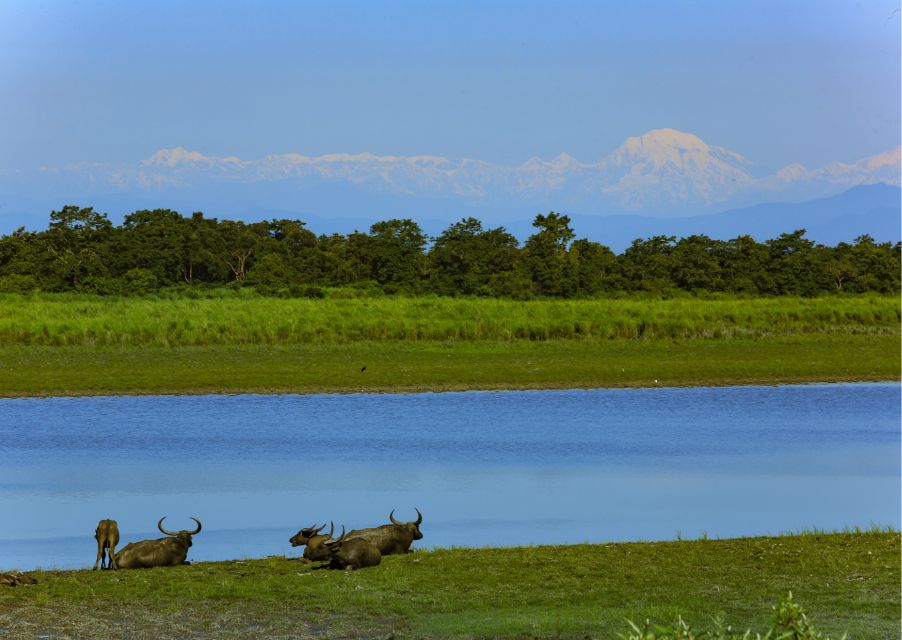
239	246
24	264
155	241
546	253
648	264
398	261
202	251
696	264
792	265
465	257
594	266
744	265
78	243
875	265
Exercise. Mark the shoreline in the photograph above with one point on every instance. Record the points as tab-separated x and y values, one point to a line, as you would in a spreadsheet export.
443	367
401	390
870	530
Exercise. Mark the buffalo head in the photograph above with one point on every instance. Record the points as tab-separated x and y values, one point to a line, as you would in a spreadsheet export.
412	527
305	535
314	540
183	534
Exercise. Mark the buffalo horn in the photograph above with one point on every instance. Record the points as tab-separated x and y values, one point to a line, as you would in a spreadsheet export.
317	530
391	517
419	517
175	533
331	528
160	527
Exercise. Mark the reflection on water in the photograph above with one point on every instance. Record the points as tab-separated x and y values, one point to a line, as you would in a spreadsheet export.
486	468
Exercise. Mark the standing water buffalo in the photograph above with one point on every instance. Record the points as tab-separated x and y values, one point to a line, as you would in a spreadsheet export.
351	553
164	552
311	537
107	536
391	538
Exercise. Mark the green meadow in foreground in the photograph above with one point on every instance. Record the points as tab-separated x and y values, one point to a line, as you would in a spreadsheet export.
846	582
59	345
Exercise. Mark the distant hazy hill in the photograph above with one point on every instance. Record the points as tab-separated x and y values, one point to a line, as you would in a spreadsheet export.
870	209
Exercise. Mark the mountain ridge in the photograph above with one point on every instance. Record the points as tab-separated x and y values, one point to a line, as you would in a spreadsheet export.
664	170
664	173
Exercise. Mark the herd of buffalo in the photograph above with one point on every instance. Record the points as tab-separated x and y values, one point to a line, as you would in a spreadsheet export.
351	550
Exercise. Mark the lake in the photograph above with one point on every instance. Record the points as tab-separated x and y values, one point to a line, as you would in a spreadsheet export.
485	468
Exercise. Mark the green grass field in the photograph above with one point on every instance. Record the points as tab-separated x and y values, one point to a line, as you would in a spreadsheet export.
845	582
62	345
66	320
445	366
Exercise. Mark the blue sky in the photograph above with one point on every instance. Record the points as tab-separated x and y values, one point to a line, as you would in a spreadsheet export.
780	82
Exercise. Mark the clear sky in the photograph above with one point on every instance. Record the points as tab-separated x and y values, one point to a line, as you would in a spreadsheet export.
112	81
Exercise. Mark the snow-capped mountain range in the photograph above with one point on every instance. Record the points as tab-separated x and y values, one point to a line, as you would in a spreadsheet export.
663	172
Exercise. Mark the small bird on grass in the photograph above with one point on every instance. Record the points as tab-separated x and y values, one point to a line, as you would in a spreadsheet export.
363	368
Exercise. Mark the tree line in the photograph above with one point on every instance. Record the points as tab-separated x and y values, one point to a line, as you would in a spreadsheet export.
81	250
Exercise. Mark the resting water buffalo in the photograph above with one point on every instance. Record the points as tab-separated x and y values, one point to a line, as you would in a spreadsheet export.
391	538
311	537
164	552
351	553
107	536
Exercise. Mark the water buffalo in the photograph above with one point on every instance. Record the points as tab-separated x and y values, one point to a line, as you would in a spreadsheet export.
107	536
164	552
351	553
391	538
311	537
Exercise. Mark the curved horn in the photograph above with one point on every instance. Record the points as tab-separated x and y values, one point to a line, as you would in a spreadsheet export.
419	517
331	528
315	530
160	527
196	531
391	517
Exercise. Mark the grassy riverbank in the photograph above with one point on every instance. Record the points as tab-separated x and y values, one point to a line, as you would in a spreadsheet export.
845	582
60	345
443	366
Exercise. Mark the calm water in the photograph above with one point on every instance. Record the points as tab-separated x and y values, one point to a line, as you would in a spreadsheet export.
485	468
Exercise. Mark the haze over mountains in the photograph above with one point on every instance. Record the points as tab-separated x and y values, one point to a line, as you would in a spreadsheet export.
665	176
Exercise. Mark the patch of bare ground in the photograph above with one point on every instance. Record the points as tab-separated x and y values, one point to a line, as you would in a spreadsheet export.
60	621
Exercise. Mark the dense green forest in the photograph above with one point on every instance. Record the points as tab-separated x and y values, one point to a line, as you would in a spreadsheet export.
81	250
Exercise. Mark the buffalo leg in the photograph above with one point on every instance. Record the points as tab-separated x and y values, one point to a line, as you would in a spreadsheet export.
99	559
111	557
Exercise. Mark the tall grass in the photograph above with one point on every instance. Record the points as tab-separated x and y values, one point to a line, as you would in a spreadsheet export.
94	321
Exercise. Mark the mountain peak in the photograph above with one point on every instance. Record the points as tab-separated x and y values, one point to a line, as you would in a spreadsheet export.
667	138
669	149
180	156
175	156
